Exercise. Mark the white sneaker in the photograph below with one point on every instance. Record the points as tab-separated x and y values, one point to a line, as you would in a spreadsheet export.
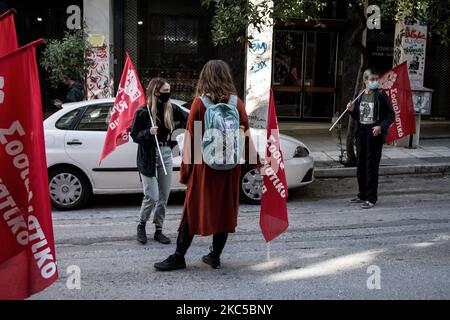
368	205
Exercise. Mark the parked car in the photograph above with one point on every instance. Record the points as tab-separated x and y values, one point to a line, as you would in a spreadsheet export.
74	138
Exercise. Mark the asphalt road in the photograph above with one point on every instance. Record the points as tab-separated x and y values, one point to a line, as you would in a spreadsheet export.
331	245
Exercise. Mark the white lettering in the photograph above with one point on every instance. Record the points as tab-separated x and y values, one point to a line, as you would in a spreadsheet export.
74	20
74	280
2	93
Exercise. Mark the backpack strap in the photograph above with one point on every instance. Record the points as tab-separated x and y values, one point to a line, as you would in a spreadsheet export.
206	101
233	100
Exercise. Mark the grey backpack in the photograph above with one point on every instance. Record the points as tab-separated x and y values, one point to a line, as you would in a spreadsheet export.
222	145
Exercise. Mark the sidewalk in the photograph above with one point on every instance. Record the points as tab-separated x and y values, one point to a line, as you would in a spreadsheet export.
432	156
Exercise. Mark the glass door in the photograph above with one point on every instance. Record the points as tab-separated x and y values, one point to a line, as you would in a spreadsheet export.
320	75
288	73
304	73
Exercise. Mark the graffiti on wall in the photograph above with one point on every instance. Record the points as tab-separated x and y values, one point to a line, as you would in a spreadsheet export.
98	78
258	75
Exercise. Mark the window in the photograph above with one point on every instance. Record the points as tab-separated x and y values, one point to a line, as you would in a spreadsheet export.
95	118
66	121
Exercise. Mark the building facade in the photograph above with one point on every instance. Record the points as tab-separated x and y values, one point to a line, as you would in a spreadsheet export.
313	68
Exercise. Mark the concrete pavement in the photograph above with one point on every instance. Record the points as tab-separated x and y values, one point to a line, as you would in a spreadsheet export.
432	156
332	250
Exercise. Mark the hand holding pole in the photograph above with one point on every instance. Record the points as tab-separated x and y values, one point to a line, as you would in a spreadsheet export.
157	142
345	111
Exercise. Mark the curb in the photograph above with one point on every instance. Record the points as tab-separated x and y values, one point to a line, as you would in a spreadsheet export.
384	170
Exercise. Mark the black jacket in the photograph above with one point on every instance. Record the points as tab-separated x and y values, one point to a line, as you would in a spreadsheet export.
75	94
383	111
140	133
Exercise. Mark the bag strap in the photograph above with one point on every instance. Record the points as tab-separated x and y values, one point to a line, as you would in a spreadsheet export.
233	100
206	101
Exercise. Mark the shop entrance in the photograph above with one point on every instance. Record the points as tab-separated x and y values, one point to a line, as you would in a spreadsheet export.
304	74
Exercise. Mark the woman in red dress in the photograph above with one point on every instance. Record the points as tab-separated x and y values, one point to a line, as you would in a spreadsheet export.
212	196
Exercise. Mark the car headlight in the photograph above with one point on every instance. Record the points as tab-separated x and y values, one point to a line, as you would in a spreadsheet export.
301	152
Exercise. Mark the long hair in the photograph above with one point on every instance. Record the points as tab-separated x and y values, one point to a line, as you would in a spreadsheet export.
154	86
216	81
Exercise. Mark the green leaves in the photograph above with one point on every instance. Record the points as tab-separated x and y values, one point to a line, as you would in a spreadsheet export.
66	54
232	17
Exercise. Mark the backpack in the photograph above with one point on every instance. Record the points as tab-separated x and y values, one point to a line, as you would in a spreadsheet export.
222	144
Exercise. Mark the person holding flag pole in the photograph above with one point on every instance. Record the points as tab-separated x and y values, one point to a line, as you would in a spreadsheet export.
374	114
152	130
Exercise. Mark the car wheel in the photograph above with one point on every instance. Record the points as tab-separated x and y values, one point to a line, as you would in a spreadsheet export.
69	188
251	187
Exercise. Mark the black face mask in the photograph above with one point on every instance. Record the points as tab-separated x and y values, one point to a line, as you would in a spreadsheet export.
164	96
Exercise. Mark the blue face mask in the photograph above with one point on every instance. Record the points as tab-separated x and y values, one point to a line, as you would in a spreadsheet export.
373	85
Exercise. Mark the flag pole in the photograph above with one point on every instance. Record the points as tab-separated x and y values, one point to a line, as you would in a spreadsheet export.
7	13
268	251
345	111
157	142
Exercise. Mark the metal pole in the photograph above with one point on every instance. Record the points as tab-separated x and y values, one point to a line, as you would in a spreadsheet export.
157	142
345	111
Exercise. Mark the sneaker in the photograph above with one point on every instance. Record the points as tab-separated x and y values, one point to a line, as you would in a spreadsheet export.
357	200
141	234
161	238
173	262
368	205
212	260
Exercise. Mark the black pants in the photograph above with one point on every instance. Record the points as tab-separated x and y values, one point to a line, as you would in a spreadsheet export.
184	239
368	157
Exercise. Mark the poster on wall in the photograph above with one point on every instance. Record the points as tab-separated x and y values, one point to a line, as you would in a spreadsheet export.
258	74
410	46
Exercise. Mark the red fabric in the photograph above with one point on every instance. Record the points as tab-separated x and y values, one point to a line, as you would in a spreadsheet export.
212	196
130	97
27	251
8	42
274	217
396	85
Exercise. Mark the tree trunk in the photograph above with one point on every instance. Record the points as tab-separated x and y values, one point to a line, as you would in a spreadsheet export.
358	13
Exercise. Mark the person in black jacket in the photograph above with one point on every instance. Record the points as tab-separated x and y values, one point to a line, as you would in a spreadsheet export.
75	93
374	115
156	184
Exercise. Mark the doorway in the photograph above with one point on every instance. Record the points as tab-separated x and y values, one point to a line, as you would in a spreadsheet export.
305	74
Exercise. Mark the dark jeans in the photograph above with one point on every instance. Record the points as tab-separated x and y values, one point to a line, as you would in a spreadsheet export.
368	157
184	239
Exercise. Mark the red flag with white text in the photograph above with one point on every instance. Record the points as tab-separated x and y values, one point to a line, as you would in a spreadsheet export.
274	215
27	251
130	96
396	84
8	40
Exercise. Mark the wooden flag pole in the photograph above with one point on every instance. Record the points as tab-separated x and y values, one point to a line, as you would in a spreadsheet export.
157	142
345	111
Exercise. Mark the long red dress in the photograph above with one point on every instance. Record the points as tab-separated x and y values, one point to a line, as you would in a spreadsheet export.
212	196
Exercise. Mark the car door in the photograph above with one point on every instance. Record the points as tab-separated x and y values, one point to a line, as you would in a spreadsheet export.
84	144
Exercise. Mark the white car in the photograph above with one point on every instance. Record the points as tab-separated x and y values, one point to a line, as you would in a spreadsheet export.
74	138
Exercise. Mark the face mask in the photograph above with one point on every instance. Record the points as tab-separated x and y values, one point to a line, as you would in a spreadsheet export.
372	85
164	96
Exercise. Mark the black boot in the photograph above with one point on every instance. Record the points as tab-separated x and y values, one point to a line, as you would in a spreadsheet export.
212	259
161	238
141	234
173	262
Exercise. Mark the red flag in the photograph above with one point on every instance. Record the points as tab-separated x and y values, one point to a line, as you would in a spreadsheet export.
27	250
8	43
130	97
396	85
274	217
